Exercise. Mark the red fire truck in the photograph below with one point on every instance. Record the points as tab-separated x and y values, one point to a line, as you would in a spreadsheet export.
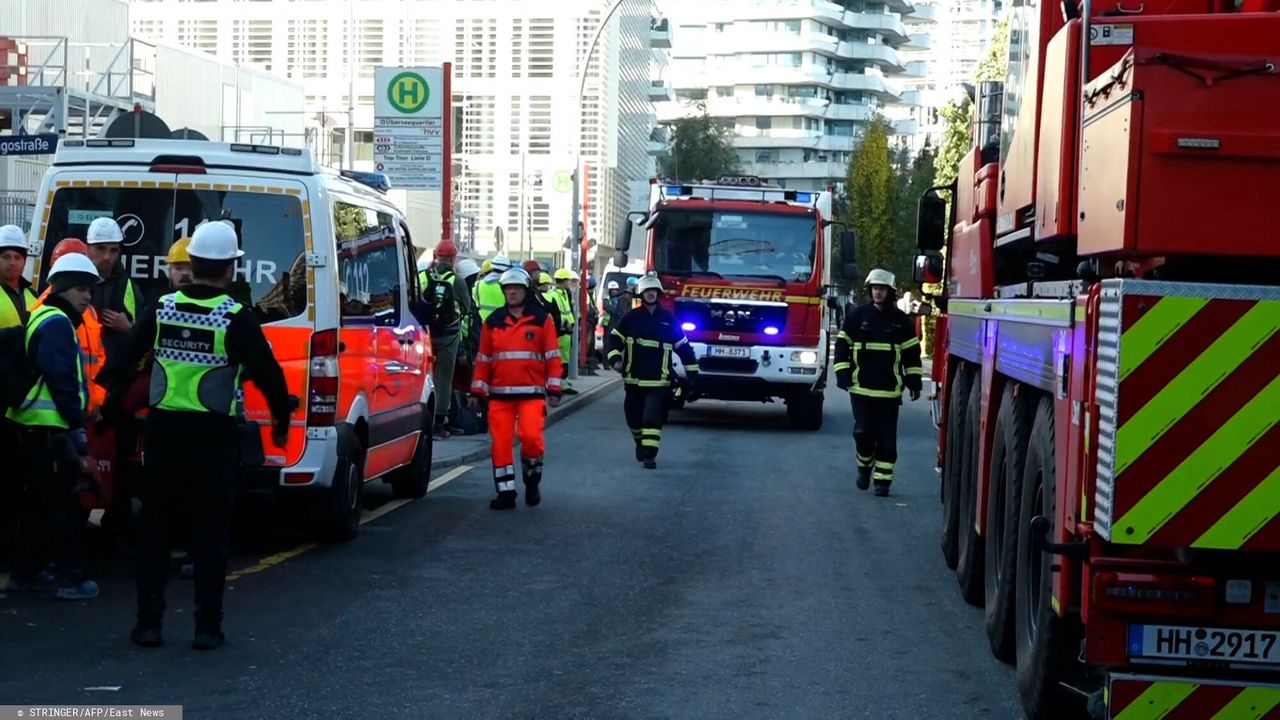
747	270
1106	372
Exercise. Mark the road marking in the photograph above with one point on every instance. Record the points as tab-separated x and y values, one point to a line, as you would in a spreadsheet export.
454	474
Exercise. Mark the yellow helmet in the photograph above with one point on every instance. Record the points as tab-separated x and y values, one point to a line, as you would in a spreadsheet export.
564	274
544	279
178	251
486	267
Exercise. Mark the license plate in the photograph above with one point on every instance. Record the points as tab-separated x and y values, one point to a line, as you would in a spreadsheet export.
729	351
1199	643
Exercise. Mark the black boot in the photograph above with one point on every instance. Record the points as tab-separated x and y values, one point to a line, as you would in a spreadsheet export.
650	463
864	477
208	638
147	634
506	500
882	489
532	476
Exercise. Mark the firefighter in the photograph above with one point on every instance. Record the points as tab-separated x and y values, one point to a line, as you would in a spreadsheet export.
202	342
51	422
640	348
518	367
18	298
877	356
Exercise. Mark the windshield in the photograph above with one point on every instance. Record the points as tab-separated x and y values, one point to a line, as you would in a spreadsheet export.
729	244
272	275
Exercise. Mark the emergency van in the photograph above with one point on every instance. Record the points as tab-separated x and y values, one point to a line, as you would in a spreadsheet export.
329	270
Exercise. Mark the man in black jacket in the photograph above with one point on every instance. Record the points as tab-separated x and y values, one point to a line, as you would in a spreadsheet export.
640	348
877	356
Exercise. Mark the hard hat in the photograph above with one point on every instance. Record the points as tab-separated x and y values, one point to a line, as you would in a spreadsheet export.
467	268
563	274
648	282
445	249
67	246
424	262
73	270
104	230
573	275
879	277
500	263
514	276
178	251
486	267
591	283
631	282
544	278
612	285
215	241
12	238
531	267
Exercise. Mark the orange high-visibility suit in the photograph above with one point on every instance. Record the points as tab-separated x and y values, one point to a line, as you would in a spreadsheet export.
517	367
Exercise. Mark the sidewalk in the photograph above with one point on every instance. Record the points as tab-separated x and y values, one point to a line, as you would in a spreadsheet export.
460	450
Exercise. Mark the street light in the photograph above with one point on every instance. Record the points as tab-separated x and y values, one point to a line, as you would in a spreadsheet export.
578	251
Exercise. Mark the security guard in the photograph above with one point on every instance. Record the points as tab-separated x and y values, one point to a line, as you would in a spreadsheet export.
640	348
517	367
51	421
18	298
877	356
202	341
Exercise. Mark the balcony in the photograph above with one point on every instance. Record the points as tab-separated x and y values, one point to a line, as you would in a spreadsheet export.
660	91
766	107
915	69
785	10
921	41
797	170
906	127
882	55
900	6
739	42
789	139
888	25
923	15
859	113
866	83
660	34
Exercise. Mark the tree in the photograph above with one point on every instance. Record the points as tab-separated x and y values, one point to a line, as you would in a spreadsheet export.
915	177
958	116
699	149
873	198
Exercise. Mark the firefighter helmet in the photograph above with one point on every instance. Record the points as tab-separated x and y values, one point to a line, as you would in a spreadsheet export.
500	263
514	276
648	282
879	277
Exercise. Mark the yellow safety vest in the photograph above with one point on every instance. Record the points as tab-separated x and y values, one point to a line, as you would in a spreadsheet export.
38	408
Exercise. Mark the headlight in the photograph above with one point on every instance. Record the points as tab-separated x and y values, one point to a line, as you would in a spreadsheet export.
805	357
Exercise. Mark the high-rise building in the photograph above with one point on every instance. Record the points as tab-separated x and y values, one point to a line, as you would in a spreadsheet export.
517	69
794	80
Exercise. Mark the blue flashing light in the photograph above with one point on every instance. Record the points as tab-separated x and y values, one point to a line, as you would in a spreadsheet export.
688	327
771	330
671	190
804	197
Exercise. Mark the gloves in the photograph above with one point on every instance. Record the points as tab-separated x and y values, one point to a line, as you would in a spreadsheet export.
691	384
915	394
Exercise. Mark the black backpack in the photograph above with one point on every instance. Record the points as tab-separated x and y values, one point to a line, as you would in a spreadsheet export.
440	294
17	372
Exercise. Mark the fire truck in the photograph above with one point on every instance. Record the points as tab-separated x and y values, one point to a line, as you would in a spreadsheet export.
746	266
1106	374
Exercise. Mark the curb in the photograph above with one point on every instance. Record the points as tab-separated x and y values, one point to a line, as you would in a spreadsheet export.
553	417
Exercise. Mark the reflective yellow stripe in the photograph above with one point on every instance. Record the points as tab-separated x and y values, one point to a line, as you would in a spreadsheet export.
875	393
1159	323
910	343
915	371
842	366
647	383
692	368
651	443
882	465
1157	701
644	342
804	300
1250	704
844	337
1245	519
887	347
1196	381
1200	468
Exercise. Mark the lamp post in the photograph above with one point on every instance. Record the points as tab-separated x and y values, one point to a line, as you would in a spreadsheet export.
580	252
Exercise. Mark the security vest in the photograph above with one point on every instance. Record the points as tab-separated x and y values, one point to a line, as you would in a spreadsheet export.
10	313
565	306
38	408
192	372
94	354
489	297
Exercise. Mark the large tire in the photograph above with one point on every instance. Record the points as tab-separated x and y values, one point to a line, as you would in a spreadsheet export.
805	411
340	509
953	462
968	542
1043	641
413	480
1004	502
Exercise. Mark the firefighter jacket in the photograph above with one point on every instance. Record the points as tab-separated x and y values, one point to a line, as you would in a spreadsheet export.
15	304
519	357
878	353
89	333
644	341
60	395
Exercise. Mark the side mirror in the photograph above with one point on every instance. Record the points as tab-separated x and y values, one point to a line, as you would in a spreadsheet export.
927	269
623	241
931	221
620	259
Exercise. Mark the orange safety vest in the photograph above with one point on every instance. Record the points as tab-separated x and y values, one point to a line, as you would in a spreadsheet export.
90	334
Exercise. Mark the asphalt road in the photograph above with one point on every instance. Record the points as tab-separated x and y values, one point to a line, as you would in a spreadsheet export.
745	578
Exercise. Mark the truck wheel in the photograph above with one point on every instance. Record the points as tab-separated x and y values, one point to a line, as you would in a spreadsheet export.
1042	640
969	553
953	462
412	480
339	519
805	412
1004	502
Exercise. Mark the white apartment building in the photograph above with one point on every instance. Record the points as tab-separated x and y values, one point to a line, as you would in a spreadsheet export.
517	66
795	80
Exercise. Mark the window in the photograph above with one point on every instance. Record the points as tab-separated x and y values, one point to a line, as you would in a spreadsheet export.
369	265
739	244
764	123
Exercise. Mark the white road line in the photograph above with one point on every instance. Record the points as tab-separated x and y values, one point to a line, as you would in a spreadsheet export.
454	474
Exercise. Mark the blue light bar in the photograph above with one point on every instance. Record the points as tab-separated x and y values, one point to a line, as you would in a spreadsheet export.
688	327
804	197
771	330
671	189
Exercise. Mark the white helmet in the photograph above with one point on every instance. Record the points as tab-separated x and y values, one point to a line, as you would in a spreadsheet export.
612	285
574	276
467	268
72	270
500	263
879	277
102	231
514	276
215	241
424	262
12	238
648	282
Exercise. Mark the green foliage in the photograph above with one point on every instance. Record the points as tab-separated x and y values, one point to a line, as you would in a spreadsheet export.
874	194
958	116
699	149
992	66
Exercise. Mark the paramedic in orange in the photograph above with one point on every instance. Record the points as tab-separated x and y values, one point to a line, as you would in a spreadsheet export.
518	366
89	332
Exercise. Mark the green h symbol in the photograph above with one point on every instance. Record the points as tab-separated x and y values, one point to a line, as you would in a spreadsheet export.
407	92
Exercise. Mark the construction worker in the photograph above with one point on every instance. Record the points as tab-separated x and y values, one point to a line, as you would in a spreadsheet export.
518	367
452	303
487	293
54	441
563	298
640	348
115	298
88	332
179	263
203	342
18	298
877	356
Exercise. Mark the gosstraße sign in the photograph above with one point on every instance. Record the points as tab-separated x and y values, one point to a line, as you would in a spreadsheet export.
42	144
